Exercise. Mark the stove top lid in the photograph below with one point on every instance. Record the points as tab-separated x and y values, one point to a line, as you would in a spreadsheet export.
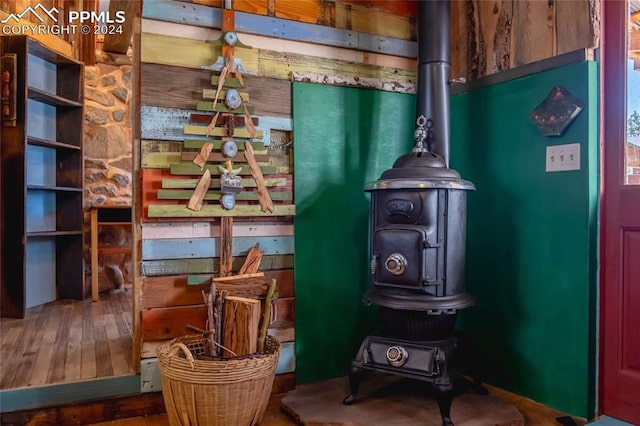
420	169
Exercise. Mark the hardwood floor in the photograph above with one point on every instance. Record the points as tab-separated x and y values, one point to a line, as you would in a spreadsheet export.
534	414
67	341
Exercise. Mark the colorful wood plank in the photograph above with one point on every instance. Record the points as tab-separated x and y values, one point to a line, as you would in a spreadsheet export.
154	179
182	248
209	266
184	194
238	120
171	322
192	129
219	157
353	81
369	19
159	154
167	323
185	168
217	144
220	107
228	82
68	393
215	183
161	123
198	15
268	63
156	154
179	290
168	211
177	87
210	94
282	45
197	229
190	53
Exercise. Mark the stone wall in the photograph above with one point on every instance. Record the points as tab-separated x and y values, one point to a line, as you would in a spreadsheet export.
108	139
108	143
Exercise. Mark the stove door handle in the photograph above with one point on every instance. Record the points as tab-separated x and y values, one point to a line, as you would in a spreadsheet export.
374	264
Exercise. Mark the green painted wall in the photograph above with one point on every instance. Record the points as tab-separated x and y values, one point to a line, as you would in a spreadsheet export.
531	256
344	137
531	239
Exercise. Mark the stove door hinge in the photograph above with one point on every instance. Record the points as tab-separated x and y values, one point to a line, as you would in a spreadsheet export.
428	244
374	264
427	282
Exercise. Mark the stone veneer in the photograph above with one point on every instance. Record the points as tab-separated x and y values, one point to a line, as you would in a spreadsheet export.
108	165
107	139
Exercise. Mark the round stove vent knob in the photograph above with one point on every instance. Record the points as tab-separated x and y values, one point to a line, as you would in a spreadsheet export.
397	356
396	264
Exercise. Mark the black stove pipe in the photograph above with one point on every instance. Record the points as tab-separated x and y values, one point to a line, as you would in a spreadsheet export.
434	71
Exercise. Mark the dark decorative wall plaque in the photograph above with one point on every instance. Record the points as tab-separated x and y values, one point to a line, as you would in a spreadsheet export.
8	89
554	114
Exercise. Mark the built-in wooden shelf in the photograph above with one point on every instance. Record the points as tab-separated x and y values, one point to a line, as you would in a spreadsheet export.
42	166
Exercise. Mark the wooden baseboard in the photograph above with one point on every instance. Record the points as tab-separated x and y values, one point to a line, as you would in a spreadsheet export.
90	412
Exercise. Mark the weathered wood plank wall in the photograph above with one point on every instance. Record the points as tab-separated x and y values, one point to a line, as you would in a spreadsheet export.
492	36
369	43
178	257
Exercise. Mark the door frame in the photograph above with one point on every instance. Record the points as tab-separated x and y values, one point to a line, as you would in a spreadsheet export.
616	199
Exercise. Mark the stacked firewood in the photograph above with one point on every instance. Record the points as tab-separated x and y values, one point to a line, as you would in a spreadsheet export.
239	310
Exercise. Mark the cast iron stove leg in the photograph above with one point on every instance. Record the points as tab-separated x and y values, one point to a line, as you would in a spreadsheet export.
355	377
444	398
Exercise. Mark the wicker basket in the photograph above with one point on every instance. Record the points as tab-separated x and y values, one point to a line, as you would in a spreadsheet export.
210	392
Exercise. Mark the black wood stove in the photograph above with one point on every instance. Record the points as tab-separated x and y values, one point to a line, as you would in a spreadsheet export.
417	237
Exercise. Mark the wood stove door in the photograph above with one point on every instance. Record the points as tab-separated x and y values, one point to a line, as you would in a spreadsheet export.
402	258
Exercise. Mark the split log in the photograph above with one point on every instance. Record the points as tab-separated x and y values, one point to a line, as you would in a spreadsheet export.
218	315
203	155
239	277
226	246
252	262
245	285
266	204
272	294
211	324
241	324
195	202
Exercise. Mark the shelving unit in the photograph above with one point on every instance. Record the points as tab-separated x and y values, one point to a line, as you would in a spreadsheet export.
105	217
42	179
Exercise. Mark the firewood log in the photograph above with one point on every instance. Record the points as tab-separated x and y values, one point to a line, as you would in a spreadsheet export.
241	325
252	262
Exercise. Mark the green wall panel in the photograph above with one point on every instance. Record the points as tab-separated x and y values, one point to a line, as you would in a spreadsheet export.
531	259
344	137
531	238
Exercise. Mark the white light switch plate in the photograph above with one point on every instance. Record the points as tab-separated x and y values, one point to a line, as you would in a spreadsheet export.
561	158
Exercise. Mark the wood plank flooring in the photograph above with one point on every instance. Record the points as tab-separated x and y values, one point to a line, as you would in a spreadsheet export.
535	414
67	341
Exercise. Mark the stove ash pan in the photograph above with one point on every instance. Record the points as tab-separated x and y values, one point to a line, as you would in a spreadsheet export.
418	234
